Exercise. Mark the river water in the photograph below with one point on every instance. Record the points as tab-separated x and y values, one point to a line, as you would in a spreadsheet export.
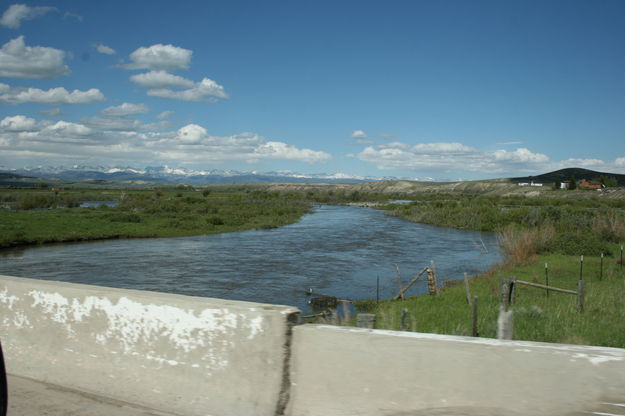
337	250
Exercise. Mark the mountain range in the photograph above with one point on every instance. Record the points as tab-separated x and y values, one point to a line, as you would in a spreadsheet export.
189	176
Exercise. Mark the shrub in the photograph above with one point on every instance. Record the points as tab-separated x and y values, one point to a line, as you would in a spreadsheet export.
609	225
520	245
214	220
576	243
34	202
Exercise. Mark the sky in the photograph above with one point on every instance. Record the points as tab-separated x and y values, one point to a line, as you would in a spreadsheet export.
414	89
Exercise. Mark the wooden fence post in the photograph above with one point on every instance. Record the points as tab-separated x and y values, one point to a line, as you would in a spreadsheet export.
401	294
581	294
474	332
466	287
365	320
404	319
504	323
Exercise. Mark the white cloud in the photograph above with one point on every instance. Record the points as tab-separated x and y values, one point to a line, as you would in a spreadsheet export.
63	128
17	123
191	134
160	57
164	114
451	157
521	155
16	13
439	148
359	134
582	163
125	109
161	79
106	50
620	162
20	61
280	150
119	139
205	90
53	96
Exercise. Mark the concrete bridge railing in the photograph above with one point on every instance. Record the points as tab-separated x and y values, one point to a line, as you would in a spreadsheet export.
201	356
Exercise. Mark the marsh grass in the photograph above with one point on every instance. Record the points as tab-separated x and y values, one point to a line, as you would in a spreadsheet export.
161	213
531	232
538	316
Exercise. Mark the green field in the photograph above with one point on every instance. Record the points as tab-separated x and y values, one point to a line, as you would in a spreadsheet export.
43	216
532	232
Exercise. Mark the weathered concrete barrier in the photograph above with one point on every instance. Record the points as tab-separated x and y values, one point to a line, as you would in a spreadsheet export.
186	355
350	371
201	356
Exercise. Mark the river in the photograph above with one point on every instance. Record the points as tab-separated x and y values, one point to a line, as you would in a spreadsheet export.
336	250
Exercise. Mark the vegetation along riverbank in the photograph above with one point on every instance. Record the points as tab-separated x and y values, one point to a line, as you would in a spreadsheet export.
543	241
41	215
48	216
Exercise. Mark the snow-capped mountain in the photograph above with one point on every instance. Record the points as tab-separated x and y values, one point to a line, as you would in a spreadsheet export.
198	177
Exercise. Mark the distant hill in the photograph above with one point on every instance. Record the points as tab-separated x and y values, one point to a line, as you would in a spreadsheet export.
566	174
11	179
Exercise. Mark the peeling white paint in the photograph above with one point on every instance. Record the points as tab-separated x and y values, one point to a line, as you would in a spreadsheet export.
128	326
7	299
597	359
20	320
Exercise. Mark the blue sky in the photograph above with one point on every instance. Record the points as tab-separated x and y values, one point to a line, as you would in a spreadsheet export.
418	89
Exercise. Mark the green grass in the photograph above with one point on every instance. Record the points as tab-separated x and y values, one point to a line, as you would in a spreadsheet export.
532	232
144	214
537	316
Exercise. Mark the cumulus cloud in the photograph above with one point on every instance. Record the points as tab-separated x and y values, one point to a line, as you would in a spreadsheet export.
20	61
106	50
450	157
53	96
17	123
125	109
359	134
122	138
620	162
207	89
597	164
160	57
161	79
16	13
63	128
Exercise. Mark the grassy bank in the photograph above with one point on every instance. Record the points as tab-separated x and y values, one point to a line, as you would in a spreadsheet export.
46	216
532	233
537	316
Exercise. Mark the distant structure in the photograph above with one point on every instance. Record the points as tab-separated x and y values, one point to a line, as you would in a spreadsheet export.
591	184
530	184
